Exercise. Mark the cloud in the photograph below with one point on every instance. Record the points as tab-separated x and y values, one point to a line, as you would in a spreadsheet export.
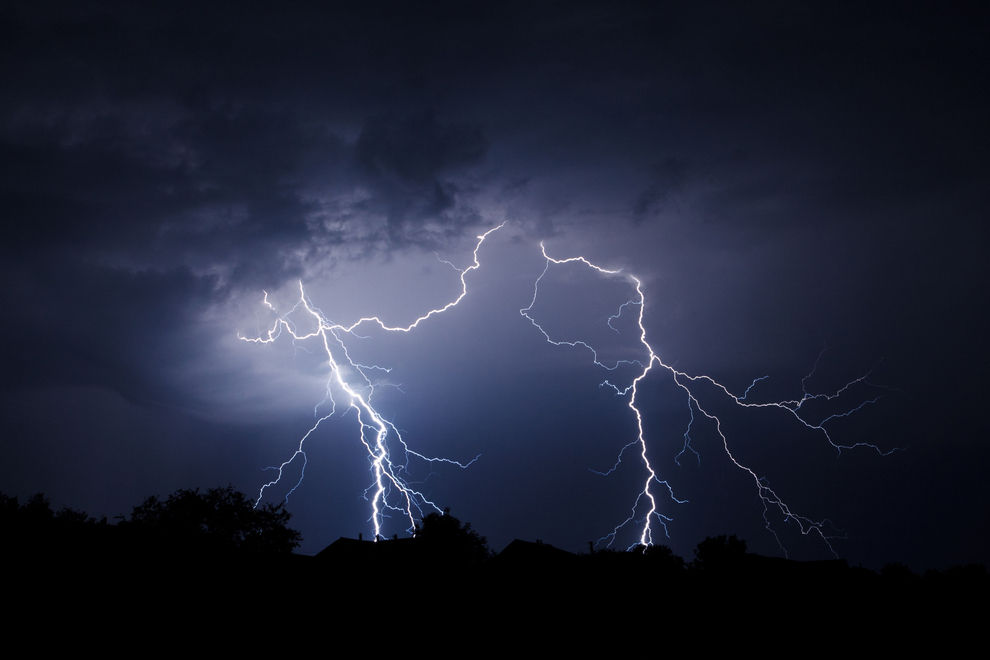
668	180
409	161
85	325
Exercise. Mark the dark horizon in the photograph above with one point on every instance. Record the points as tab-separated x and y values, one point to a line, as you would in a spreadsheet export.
196	530
209	562
800	189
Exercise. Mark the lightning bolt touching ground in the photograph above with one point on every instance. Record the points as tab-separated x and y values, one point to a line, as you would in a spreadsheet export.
645	510
349	382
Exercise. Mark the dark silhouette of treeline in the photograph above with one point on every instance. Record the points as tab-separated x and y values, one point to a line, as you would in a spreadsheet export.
189	524
214	553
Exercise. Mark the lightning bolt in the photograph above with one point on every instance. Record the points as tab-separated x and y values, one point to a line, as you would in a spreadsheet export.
645	509
348	380
351	383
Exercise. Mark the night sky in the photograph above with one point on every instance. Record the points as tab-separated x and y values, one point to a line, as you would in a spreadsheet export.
784	178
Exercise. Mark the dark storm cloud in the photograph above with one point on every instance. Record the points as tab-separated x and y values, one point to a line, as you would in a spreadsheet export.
416	149
89	326
181	131
669	177
196	194
197	152
405	159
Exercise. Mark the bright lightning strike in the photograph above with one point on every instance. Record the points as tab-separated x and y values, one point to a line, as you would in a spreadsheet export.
645	510
349	381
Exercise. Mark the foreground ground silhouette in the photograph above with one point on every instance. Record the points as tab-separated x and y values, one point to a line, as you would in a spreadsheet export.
209	558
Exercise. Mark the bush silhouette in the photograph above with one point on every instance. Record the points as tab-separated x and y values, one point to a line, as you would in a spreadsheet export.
717	553
219	520
663	558
444	536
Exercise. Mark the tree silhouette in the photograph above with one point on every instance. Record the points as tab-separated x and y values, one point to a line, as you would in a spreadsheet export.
34	529
219	520
719	553
663	558
446	538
